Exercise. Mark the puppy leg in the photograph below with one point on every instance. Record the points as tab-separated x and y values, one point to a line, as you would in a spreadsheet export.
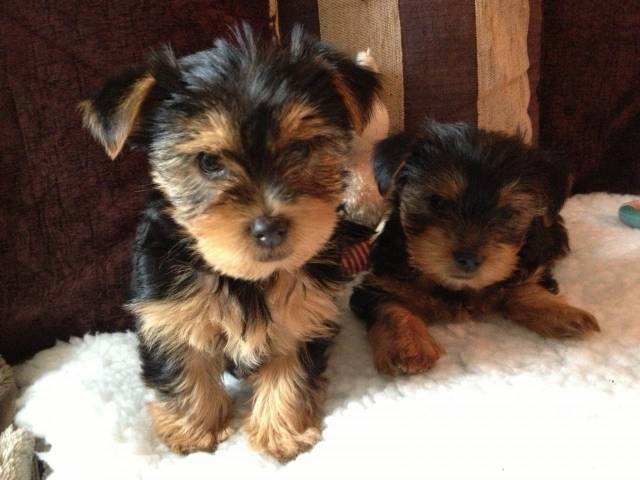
192	408
288	395
534	307
401	342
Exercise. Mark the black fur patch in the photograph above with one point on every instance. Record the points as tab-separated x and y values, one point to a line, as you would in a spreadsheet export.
388	157
314	357
159	369
160	253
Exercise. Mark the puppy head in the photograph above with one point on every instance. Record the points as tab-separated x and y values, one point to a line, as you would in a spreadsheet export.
466	199
248	142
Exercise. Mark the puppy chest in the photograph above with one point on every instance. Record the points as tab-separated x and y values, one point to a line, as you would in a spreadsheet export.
300	310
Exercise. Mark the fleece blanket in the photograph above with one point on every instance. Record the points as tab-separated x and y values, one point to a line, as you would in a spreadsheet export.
502	403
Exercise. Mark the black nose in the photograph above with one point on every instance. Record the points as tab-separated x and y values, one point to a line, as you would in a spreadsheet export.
269	231
467	261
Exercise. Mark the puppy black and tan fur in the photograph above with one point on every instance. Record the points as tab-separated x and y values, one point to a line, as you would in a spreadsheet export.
474	229
237	256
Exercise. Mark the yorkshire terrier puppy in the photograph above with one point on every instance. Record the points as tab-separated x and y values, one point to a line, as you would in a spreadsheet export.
237	256
474	228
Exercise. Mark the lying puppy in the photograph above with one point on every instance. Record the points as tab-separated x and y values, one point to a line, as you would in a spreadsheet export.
237	257
474	229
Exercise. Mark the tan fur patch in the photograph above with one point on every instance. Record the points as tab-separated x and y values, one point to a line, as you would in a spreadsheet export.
192	319
401	343
123	121
203	320
353	108
223	239
432	253
300	121
212	133
300	310
448	184
286	411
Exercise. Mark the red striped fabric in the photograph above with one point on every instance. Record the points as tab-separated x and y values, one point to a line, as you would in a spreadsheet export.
355	258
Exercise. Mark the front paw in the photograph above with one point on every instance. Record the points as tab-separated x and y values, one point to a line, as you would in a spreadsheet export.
564	321
183	435
402	345
280	442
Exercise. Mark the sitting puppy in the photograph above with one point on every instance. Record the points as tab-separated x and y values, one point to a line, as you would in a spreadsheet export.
237	257
474	229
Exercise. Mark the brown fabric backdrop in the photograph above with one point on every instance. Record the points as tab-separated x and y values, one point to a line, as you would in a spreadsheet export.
439	52
534	45
439	60
67	213
590	90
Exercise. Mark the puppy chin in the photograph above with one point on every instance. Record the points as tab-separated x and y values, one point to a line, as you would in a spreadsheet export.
484	277
251	268
248	264
272	256
458	282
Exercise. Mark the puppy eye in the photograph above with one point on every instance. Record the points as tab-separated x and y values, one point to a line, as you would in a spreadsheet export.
506	213
437	202
209	164
300	148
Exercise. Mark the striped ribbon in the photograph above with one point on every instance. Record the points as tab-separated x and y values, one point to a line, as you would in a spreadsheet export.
355	258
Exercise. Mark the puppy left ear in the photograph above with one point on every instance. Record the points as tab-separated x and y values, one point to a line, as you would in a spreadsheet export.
357	85
556	183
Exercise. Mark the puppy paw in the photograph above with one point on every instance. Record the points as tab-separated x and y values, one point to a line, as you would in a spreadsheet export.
195	440
282	443
555	321
402	345
535	308
183	435
567	322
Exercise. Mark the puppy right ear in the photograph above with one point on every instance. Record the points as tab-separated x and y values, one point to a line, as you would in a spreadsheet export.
389	156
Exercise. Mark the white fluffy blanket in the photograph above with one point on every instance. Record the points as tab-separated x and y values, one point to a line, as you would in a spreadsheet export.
503	402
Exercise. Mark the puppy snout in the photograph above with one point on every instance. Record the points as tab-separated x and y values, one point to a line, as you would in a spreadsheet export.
467	262
269	232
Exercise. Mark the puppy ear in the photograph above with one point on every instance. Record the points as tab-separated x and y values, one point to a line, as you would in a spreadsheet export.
113	114
556	183
389	156
357	85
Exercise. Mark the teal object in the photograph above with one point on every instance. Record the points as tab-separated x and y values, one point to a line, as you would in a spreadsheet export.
629	214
